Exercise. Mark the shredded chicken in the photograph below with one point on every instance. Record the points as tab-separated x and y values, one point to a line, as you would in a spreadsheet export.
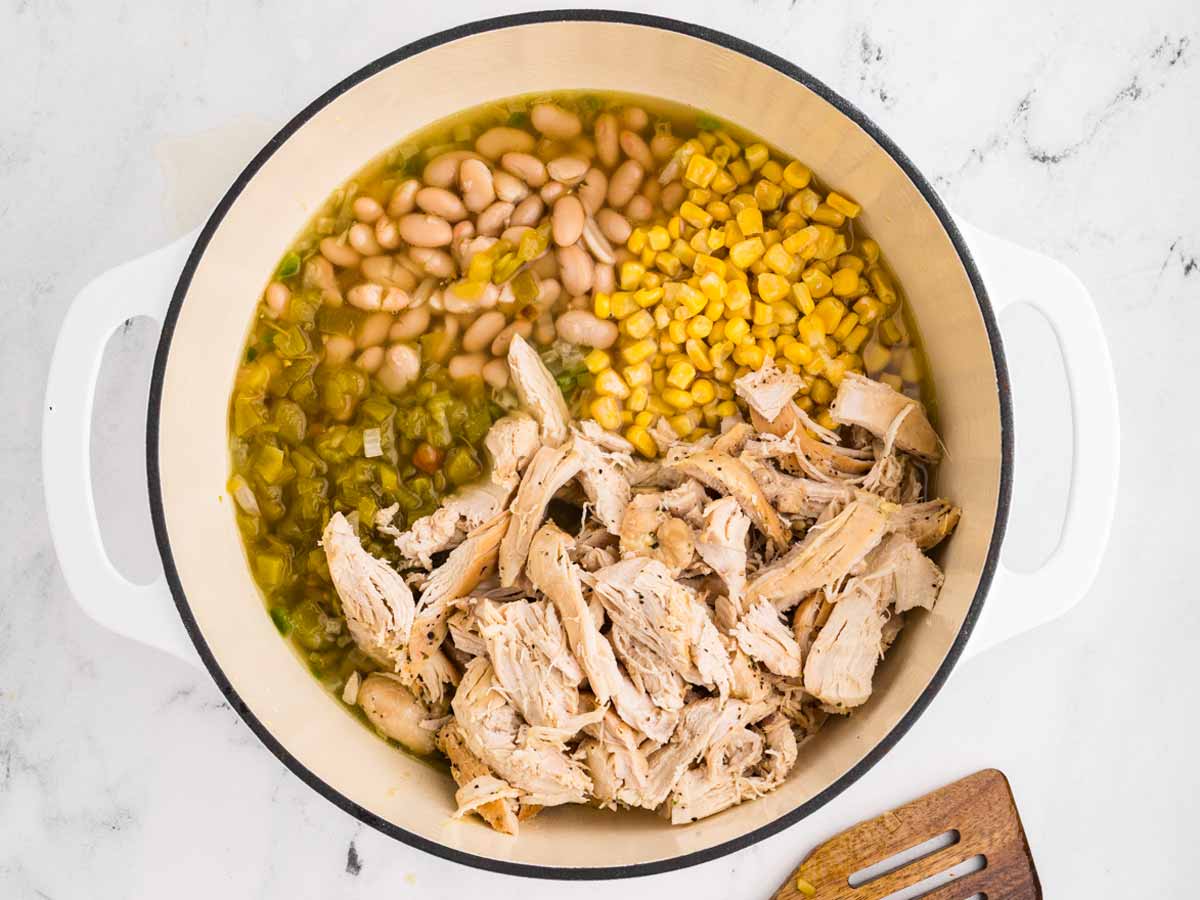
704	616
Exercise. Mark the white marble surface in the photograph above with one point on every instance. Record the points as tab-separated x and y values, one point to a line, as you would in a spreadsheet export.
1067	126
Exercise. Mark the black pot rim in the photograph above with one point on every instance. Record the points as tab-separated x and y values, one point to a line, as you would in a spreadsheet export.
597	872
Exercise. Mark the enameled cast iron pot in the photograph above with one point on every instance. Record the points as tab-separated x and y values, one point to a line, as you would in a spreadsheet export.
225	267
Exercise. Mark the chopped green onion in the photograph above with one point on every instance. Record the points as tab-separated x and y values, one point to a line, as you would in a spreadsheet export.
289	265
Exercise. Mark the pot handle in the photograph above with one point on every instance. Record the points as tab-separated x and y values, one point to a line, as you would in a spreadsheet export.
1020	601
144	612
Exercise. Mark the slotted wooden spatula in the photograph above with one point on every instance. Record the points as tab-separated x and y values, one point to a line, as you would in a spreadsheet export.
976	817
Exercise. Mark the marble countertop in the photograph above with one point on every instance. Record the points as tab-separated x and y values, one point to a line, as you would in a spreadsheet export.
1069	127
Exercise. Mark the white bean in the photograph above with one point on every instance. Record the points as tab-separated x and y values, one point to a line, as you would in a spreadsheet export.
547	149
394	300
495	218
635	148
467	249
362	239
318	273
567	220
509	187
639	209
370	359
625	182
387	271
440	202
525	166
454	302
672	196
545	266
483	331
514	233
495	373
608	147
424	291
651	190
605	279
368	296
477	185
392	709
410	325
586	330
404	198
374	329
338	349
549	290
501	139
442	170
576	303
552	190
420	230
635	118
367	209
596	242
338	253
543	330
437	263
276	297
567	169
386	233
528	211
466	365
401	366
462	230
554	121
577	269
523	327
583	146
663	146
614	225
593	190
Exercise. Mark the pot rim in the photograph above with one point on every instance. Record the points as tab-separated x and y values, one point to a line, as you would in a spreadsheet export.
581	873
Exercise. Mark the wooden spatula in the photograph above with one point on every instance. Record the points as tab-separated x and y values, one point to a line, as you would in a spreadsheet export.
976	817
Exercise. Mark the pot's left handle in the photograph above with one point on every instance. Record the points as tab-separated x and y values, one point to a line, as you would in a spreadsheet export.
144	612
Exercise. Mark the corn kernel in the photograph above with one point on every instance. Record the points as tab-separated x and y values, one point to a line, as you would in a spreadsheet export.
875	357
675	227
854	340
764	331
847	324
831	312
639	325
637	240
660	379
768	195
700	171
644	417
763	314
797	174
658	238
716	238
772	171
597	361
606	411
631	272
725	372
819	284
798	241
783	313
882	285
771	288
756	155
890	333
868	309
639	375
699	326
827	215
698	355
638	397
677	331
681	424
675	358
750	220
724	392
910	367
720	351
802	297
699	196
657	406
736	329
639	351
869	250
665	346
602	305
798	353
679	399
744	253
727	408
695	215
737	298
647	297
740	171
719	210
749	355
844	205
610	384
642	441
681	375
623	305
821	392
845	282
811	330
690	300
715	309
703	391
892	380
835	370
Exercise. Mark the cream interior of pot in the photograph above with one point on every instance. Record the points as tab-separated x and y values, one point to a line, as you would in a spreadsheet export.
363	122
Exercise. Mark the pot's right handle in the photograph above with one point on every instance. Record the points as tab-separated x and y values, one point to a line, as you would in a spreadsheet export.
1019	601
144	612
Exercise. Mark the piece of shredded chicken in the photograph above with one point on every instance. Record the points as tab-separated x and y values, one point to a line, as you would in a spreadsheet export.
703	616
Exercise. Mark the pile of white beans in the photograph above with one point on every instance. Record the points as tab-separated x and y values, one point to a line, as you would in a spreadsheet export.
404	258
